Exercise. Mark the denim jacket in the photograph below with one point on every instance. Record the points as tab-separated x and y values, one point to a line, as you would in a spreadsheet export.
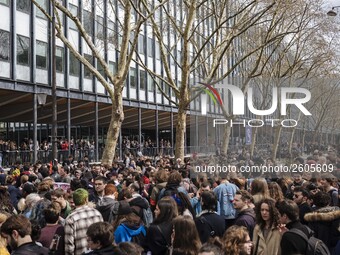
225	193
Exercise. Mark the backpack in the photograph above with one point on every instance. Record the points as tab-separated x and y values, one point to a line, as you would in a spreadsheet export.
331	192
314	245
167	192
212	232
147	216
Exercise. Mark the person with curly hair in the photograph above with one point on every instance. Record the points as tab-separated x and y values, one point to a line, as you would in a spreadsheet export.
267	236
5	201
3	241
236	241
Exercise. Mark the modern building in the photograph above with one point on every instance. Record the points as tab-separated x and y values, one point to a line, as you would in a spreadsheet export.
83	106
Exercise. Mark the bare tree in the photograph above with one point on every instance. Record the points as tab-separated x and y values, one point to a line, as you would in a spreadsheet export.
125	39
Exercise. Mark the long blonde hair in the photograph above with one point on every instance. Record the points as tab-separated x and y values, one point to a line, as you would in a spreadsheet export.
3	218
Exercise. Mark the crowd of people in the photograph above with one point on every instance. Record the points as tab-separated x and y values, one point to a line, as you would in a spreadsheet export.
145	205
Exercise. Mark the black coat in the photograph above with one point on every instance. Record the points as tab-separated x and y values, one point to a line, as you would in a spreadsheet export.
292	243
103	251
210	225
30	249
325	222
158	238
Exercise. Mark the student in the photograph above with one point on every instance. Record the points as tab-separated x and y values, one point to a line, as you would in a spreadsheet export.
158	237
100	239
185	238
291	243
17	230
266	236
237	241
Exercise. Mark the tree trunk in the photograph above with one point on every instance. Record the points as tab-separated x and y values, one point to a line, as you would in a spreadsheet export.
253	141
276	142
117	117
180	132
291	142
225	142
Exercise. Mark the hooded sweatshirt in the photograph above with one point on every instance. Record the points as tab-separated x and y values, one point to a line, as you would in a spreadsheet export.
108	207
125	233
246	218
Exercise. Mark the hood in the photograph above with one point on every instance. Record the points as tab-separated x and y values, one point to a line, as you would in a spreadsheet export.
324	214
248	211
161	185
106	203
139	201
134	231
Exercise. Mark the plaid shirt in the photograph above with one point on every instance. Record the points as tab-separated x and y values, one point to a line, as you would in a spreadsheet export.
76	225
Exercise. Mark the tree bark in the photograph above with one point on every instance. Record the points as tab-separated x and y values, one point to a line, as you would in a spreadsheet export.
180	132
253	141
291	142
117	117
226	138
276	142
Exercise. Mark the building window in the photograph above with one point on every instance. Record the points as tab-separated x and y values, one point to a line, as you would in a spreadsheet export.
41	55
140	44
24	6
4	2
158	84
100	28
88	22
87	72
142	80
158	51
60	59
111	33
100	69
4	45
74	10
23	50
74	65
150	47
132	77
113	67
43	4
151	84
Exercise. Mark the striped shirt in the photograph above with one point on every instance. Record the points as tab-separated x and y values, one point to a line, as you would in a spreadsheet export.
76	225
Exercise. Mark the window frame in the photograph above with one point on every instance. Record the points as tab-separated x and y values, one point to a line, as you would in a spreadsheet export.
8	39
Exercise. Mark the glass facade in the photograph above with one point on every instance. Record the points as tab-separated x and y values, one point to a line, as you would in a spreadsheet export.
41	55
4	45
23	50
24	6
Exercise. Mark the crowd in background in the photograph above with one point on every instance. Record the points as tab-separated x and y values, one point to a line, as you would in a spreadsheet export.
160	205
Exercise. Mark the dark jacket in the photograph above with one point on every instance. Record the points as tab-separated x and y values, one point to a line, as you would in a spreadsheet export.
325	222
30	249
104	251
292	243
158	238
303	210
108	207
246	218
210	224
